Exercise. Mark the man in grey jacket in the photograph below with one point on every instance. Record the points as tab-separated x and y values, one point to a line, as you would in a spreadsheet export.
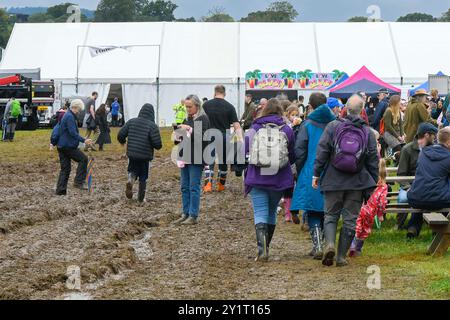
344	192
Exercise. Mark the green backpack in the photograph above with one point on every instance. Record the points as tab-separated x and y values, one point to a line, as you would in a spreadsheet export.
16	110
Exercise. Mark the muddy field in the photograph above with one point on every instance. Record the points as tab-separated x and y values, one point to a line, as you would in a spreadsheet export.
127	251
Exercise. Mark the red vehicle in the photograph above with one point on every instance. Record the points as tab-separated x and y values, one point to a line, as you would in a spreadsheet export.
35	96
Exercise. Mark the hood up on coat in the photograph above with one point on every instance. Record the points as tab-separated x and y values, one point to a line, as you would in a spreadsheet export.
322	114
147	112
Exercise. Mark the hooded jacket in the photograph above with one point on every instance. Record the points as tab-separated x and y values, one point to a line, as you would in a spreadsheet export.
141	134
283	180
331	179
305	196
431	187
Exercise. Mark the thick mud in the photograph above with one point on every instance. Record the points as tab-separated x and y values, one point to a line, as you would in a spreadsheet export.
130	251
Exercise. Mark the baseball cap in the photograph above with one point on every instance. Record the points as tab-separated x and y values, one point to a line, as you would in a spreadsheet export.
426	127
333	103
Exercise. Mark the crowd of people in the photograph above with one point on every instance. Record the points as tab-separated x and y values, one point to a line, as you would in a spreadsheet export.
325	159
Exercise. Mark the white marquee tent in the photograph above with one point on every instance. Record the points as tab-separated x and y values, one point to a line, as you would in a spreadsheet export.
161	62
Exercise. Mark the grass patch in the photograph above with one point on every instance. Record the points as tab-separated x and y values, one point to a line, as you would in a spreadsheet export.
34	145
397	256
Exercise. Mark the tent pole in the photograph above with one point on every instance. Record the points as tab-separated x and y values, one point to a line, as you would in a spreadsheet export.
157	100
76	85
239	95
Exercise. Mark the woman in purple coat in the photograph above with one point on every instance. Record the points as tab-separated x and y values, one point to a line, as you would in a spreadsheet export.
266	186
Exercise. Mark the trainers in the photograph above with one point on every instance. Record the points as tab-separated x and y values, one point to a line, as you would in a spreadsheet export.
180	220
295	219
220	187
190	221
207	187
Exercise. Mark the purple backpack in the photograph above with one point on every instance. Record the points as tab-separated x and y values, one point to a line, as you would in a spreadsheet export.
350	146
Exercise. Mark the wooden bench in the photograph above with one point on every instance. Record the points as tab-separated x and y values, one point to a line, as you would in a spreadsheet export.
391	169
441	225
396	179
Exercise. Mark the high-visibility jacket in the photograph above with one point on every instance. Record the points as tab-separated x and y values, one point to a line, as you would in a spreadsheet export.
180	113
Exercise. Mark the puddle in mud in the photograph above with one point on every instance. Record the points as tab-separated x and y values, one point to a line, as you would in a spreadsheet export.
142	248
78	296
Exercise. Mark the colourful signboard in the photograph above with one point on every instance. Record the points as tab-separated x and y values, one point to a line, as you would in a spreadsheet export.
302	80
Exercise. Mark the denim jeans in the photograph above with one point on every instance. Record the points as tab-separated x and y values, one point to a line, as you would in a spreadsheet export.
265	204
191	179
402	198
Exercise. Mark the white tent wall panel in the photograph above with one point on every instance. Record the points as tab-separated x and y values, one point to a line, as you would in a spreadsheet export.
49	46
423	48
272	47
199	50
349	46
139	62
135	96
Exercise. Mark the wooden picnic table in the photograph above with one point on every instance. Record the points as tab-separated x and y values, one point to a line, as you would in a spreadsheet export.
441	225
400	179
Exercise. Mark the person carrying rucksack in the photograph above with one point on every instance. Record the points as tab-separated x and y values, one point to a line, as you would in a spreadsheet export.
305	197
11	116
346	166
269	146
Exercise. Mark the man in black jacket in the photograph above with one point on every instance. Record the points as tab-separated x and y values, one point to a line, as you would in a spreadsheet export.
343	191
143	137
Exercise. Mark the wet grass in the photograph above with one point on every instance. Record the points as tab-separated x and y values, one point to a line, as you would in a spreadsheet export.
35	146
400	260
396	255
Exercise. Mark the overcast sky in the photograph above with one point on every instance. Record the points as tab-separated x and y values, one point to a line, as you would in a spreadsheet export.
310	10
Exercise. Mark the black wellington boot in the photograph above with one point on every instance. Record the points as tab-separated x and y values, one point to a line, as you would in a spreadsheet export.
271	231
330	240
141	193
345	241
262	235
130	183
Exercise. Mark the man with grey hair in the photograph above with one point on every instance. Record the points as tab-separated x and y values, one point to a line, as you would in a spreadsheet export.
67	138
346	166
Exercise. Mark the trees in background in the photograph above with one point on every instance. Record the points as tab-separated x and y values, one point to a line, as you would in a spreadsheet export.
115	11
417	17
5	27
279	11
358	19
56	13
158	10
217	14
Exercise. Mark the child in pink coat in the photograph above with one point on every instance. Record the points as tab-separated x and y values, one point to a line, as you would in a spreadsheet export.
375	207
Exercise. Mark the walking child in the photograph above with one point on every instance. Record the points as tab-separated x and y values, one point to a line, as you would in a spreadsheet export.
142	137
374	207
